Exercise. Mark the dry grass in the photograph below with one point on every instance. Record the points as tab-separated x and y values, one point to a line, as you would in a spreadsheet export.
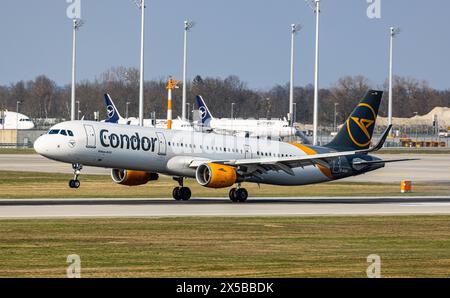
409	246
45	185
17	151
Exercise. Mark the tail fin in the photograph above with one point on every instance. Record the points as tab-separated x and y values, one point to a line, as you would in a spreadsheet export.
111	110
356	133
205	114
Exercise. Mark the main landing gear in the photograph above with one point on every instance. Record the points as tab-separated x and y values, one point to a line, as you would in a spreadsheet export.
75	183
181	193
238	194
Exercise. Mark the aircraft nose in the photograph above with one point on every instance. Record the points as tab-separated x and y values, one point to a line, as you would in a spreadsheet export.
39	145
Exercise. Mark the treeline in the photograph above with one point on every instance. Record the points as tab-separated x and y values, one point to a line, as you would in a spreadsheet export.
43	98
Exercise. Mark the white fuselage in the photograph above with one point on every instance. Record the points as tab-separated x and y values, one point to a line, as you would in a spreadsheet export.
177	124
166	151
273	129
13	120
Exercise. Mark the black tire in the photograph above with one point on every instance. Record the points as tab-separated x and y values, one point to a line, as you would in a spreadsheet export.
76	183
71	183
176	193
232	195
185	193
241	194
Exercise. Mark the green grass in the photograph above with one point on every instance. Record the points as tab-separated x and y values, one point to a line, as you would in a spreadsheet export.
46	185
17	151
409	246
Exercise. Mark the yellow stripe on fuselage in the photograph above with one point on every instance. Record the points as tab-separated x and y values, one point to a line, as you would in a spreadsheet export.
309	151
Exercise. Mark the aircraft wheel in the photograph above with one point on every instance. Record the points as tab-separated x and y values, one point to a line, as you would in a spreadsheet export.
241	194
176	193
185	193
74	183
232	195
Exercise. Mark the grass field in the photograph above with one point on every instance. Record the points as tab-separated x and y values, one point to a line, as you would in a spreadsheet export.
409	246
17	151
45	185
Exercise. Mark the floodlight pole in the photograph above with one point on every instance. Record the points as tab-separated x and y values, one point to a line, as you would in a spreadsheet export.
335	116
76	24
17	114
141	77
78	109
187	26
316	75
393	31
294	30
126	113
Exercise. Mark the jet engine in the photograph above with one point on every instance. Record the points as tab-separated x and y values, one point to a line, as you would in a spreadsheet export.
215	175
130	177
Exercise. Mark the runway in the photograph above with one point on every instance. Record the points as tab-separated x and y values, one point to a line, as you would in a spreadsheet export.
429	168
162	207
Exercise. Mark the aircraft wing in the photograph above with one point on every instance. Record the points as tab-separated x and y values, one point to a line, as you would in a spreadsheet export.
286	164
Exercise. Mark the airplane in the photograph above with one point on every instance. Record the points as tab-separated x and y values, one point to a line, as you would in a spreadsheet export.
13	120
137	155
113	116
274	129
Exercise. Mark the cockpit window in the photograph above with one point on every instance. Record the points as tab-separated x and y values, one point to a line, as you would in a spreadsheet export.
63	132
70	133
53	132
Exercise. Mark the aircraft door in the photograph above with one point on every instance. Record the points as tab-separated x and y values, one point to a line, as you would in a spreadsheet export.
162	147
90	136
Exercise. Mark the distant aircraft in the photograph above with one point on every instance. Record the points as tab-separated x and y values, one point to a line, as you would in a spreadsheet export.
273	129
138	154
113	116
13	120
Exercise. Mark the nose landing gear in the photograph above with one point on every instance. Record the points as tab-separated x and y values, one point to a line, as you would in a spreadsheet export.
238	194
75	183
181	193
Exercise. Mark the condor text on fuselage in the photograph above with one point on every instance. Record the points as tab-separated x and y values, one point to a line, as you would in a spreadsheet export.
124	141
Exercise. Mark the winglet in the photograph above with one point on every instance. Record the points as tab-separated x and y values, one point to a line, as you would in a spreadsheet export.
380	143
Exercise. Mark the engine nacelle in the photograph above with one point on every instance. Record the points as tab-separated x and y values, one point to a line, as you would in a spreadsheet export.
215	175
130	177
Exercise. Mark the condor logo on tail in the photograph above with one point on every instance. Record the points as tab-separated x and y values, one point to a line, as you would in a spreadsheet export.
361	133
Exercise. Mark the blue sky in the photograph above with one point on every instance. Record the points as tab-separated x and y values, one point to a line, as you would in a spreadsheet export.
248	38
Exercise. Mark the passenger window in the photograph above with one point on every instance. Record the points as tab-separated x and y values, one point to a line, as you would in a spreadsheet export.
63	132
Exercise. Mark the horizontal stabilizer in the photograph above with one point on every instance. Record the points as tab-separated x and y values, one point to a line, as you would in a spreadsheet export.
369	162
